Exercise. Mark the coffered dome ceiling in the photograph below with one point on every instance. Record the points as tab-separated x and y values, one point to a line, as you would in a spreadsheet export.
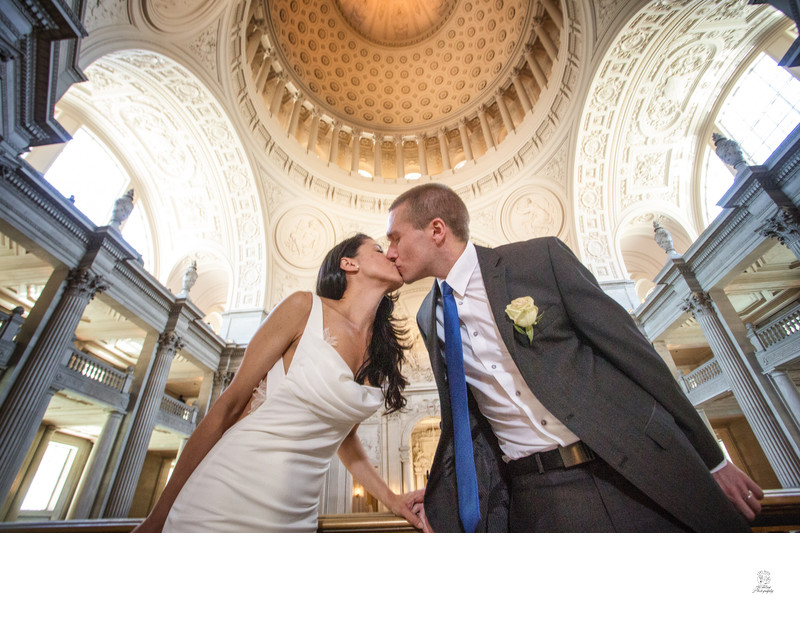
401	88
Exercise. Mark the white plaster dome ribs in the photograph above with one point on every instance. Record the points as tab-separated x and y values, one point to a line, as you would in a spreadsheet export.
400	89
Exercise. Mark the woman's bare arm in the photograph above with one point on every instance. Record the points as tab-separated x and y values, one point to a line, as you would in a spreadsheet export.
355	459
278	335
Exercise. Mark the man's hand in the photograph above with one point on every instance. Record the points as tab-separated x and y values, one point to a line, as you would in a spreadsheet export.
740	489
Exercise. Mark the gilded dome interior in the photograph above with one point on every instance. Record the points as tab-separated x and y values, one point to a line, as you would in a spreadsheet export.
395	90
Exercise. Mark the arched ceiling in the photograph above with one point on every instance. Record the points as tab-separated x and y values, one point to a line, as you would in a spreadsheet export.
395	22
357	63
194	178
444	82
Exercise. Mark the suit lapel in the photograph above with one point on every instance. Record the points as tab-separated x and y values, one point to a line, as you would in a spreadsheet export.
427	317
493	271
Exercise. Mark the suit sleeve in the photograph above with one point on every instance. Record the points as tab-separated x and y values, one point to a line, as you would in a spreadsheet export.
610	330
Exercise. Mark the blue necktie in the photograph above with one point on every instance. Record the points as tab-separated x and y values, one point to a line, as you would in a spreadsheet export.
466	479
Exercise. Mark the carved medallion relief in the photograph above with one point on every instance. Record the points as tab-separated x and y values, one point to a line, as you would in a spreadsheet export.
303	237
532	212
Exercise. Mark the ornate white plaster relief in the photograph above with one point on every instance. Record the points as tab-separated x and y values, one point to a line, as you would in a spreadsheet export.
638	133
181	141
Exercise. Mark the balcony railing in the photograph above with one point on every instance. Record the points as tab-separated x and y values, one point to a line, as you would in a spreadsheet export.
176	408
703	374
92	369
776	331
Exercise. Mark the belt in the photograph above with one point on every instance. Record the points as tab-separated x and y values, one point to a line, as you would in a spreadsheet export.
558	458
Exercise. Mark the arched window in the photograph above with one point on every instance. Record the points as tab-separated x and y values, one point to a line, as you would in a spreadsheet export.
761	110
87	171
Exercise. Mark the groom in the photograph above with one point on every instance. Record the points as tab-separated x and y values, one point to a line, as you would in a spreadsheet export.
557	414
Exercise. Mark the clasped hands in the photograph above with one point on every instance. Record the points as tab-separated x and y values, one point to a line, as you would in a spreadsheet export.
411	507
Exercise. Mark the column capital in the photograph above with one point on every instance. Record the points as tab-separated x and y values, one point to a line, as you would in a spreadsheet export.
170	341
783	226
81	281
699	303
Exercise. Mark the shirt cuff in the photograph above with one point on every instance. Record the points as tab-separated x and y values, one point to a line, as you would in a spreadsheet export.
720	466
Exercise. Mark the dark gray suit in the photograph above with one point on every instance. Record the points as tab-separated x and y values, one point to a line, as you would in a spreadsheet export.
592	369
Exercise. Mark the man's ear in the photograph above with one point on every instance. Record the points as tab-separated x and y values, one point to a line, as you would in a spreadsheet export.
438	230
348	265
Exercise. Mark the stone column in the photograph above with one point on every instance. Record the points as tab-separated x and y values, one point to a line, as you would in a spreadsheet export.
377	154
181	446
536	69
398	157
356	152
408	468
787	391
661	347
544	37
465	144
501	104
423	158
95	468
297	106
487	132
277	96
553	12
524	100
27	400
785	227
760	412
334	151
252	48
204	396
313	131
443	149
220	382
121	497
263	72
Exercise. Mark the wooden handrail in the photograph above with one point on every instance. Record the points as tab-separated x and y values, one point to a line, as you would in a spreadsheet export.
356	522
780	513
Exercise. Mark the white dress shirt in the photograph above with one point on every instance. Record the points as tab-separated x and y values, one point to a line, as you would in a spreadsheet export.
520	422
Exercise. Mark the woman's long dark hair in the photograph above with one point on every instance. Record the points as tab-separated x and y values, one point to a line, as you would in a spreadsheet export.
385	355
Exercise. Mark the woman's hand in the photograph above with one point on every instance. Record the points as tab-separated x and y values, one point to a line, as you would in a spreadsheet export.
410	506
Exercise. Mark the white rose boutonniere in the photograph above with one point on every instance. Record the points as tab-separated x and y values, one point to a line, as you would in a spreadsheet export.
525	315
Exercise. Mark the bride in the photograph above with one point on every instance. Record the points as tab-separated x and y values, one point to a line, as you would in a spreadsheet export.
317	367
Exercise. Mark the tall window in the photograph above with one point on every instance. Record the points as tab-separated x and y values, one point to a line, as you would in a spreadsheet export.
762	109
87	171
50	478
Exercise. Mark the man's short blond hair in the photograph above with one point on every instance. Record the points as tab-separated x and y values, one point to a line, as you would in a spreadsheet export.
431	200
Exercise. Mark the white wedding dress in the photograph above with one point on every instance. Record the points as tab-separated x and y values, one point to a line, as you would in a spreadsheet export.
266	472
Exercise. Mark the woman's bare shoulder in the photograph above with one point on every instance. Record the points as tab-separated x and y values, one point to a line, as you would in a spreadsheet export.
290	313
296	302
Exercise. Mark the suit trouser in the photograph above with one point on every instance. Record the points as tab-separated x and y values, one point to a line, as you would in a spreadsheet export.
591	497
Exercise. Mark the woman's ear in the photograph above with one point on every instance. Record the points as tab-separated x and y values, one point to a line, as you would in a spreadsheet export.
348	265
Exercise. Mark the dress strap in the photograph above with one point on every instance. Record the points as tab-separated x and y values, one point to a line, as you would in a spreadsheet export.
314	323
